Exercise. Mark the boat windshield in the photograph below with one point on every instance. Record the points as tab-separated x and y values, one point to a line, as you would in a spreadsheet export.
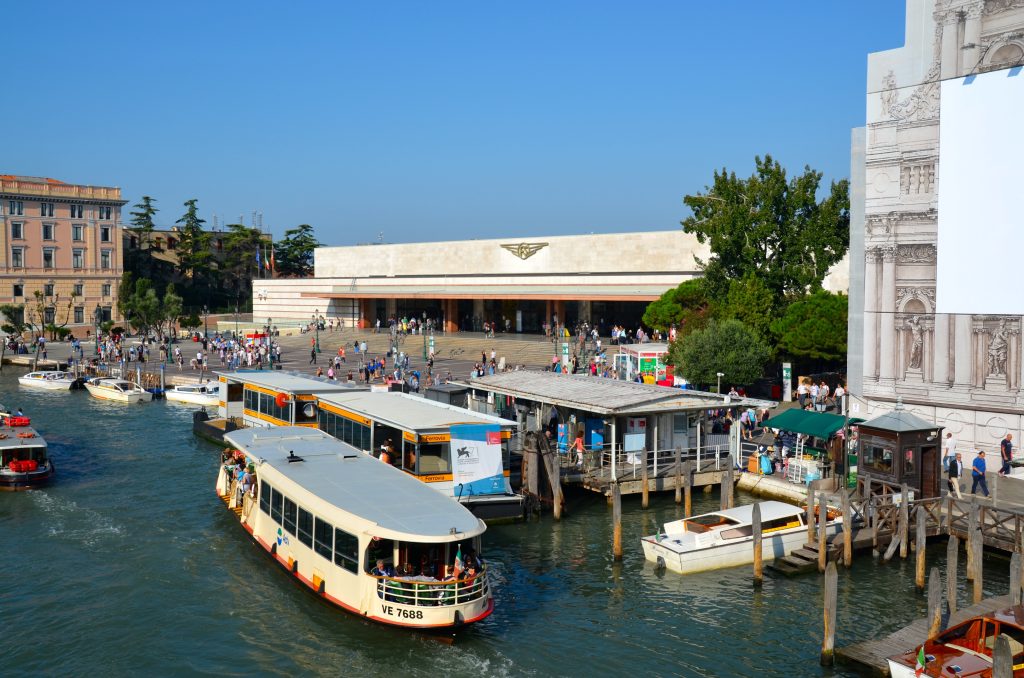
433	575
707	523
36	454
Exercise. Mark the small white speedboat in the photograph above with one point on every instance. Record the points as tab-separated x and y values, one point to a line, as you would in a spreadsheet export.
118	390
207	395
51	380
725	538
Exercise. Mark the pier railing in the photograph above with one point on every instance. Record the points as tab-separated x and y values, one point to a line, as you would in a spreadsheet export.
425	593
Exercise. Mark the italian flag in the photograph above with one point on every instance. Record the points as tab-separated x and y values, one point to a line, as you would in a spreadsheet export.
457	570
921	661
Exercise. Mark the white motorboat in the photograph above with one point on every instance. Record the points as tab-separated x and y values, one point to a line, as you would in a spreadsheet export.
725	538
207	395
51	380
118	390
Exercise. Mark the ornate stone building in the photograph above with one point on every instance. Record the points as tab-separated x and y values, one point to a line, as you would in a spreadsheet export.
964	372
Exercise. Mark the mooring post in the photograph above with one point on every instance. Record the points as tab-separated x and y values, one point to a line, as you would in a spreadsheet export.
726	479
679	476
756	525
1015	579
645	491
972	526
688	489
952	551
616	522
822	526
810	517
828	640
920	542
978	568
1002	658
904	522
934	602
847	531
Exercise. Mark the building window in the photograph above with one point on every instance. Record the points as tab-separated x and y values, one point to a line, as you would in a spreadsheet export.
79	315
17	230
16	208
48	257
49	315
105	212
77	258
48	290
171	243
18	257
78	289
19	290
46	209
48	230
104	233
76	211
105	259
77	231
106	289
106	314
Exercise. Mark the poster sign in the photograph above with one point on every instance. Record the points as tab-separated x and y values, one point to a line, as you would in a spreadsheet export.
476	460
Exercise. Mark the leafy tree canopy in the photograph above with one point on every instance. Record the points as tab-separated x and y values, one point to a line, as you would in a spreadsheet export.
193	243
750	301
142	217
13	318
814	327
294	253
772	227
726	346
687	306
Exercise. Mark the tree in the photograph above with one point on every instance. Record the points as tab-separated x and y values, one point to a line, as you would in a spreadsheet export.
771	227
686	306
14	319
190	322
141	259
193	244
750	302
238	265
125	290
814	327
170	310
726	346
294	252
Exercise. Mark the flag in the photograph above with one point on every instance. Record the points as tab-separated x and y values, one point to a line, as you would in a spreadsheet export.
266	261
273	261
457	570
921	661
258	257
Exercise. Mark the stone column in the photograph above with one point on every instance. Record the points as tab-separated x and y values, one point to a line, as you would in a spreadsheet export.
940	367
950	51
871	314
963	350
887	321
972	37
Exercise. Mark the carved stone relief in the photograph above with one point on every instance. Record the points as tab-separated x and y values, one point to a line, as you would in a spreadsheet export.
926	295
917	178
916	254
996	6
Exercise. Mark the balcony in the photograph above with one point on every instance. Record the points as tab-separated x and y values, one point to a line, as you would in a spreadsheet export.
68	191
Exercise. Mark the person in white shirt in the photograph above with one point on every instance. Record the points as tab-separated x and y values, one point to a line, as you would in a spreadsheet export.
948	450
840	404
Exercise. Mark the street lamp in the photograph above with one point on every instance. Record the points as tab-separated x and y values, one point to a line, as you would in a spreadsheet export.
422	326
718	389
236	320
97	316
316	324
206	331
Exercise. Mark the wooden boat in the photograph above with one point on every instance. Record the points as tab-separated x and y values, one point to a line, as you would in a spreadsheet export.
207	395
966	649
51	380
24	462
725	538
327	513
117	390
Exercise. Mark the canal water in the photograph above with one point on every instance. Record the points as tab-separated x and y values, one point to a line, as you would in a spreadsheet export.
129	562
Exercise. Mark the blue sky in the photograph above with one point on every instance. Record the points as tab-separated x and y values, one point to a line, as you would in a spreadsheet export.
434	120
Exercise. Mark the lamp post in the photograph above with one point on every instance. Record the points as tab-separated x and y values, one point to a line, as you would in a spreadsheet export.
422	328
270	350
236	320
206	330
316	325
718	389
97	316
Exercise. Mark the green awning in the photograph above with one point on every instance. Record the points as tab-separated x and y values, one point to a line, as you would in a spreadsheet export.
818	424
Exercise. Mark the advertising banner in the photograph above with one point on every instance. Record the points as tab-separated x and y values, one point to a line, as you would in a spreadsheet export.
476	460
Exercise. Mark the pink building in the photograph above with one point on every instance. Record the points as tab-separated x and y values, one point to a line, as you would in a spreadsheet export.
65	241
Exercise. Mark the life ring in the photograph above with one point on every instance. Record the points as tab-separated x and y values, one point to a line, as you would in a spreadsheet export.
26	435
3	436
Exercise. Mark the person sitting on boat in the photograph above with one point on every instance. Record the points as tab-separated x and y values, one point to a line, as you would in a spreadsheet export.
382	569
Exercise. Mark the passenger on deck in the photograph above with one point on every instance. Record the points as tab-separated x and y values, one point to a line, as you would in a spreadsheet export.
382	570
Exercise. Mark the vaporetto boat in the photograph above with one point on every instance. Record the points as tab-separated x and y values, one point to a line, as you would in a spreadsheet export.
51	380
725	538
118	390
207	395
24	462
329	513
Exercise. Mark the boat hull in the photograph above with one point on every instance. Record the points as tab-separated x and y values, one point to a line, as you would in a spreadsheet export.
114	396
15	482
191	398
47	384
731	554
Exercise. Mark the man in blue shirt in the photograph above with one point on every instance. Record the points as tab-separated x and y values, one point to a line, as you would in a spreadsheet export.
978	473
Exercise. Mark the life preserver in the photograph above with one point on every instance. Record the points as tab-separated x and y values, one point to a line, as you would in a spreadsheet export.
281	399
3	436
26	435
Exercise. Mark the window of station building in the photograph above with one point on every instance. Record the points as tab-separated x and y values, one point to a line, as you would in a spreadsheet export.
105	290
351	432
79	315
78	290
104	233
18	290
48	231
265	497
105	212
434	458
46	209
105	259
48	289
878	458
323	538
305	534
276	501
76	211
106	314
17	230
346	550
16	208
48	257
18	257
288	517
77	232
49	315
77	258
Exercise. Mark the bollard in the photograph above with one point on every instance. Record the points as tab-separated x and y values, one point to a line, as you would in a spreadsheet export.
756	525
1002	658
616	522
688	488
934	602
822	526
645	491
679	477
978	568
1015	579
952	551
920	546
810	517
828	640
972	526
904	522
847	531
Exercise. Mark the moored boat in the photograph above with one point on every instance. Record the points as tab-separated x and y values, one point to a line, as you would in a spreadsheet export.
118	390
207	395
51	380
965	649
360	534
725	538
24	462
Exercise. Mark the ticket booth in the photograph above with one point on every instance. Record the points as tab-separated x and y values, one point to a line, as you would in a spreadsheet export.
899	447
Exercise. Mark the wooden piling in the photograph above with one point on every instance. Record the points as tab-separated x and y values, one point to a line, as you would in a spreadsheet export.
978	546
1002	658
934	602
972	526
920	542
645	491
756	525
847	531
616	522
727	484
952	551
904	522
810	517
822	526
679	476
688	488
828	640
1015	579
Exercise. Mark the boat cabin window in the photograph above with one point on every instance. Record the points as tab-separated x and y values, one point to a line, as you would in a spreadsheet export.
37	454
434	458
323	538
265	497
264	403
305	527
305	412
346	550
288	516
235	392
878	458
351	432
276	499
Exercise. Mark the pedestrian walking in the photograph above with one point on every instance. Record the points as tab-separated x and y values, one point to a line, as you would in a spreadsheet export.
1006	454
312	356
956	471
978	474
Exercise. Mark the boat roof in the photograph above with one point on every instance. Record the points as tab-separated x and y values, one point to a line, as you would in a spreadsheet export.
12	440
394	504
289	382
409	412
770	510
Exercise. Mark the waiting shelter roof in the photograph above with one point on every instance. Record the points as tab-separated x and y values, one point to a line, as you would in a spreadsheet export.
900	420
818	424
290	382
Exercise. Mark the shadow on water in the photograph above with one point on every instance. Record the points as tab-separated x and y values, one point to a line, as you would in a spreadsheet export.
129	562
